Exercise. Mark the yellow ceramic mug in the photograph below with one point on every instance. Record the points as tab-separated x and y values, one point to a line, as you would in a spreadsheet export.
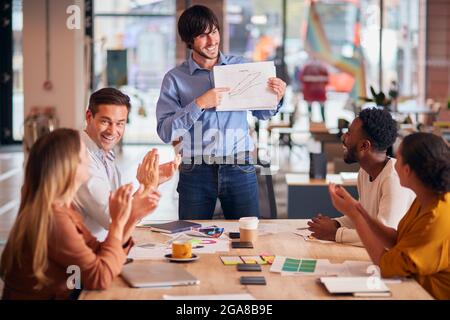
181	250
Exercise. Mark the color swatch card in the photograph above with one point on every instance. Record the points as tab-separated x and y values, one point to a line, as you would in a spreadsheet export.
299	265
323	267
289	265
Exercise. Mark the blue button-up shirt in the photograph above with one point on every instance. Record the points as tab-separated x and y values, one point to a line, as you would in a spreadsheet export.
203	132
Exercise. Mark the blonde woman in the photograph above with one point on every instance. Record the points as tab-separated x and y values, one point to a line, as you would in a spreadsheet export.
49	240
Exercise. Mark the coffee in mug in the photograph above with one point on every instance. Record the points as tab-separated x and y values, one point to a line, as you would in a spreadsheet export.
181	250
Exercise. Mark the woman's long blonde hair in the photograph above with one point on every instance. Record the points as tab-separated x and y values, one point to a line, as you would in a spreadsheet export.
49	175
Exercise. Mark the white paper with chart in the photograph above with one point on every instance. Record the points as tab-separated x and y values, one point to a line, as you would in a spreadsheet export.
248	86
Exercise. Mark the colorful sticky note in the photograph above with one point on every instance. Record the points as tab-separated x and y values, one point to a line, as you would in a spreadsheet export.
231	260
268	257
253	260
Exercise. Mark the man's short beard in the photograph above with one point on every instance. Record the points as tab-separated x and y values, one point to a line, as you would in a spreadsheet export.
200	53
350	158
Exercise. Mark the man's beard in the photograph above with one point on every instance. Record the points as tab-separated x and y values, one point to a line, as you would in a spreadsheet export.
350	157
204	55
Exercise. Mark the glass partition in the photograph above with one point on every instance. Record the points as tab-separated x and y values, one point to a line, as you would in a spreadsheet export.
134	46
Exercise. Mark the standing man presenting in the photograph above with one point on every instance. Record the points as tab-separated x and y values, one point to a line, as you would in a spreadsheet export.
216	146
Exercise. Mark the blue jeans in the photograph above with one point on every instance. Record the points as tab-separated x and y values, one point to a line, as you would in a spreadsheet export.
201	184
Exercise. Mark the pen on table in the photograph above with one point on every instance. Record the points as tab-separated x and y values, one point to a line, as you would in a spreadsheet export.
147	245
304	228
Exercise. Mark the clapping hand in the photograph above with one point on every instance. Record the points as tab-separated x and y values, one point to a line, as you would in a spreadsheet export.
120	204
343	201
143	203
148	171
168	169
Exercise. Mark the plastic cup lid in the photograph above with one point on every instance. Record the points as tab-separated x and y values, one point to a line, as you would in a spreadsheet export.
248	222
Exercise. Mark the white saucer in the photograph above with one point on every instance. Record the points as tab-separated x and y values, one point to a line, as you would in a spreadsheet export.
169	257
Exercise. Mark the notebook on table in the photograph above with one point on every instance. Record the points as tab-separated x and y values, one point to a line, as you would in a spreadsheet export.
356	286
145	275
174	226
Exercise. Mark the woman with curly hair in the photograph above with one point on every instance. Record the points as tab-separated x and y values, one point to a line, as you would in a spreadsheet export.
420	247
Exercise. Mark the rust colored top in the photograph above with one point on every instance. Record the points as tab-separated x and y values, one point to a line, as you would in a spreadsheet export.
70	243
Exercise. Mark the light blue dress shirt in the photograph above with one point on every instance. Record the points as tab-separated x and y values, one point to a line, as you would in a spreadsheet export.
92	198
203	132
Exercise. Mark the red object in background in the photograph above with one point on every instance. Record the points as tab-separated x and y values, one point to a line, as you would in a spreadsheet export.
341	82
314	78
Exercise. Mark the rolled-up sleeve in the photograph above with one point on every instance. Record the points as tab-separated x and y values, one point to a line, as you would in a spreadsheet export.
347	233
348	236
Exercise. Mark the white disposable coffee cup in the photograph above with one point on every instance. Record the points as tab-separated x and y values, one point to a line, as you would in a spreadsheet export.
248	228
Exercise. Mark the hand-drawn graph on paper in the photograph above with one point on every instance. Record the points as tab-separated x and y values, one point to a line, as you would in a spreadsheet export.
248	86
251	80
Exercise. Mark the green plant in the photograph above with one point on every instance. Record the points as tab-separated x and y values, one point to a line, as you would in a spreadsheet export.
393	90
379	98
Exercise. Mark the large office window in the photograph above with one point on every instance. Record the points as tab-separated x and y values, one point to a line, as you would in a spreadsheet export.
255	28
11	72
400	45
17	64
328	31
134	46
343	34
370	41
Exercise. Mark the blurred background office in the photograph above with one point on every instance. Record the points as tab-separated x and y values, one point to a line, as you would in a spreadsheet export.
391	54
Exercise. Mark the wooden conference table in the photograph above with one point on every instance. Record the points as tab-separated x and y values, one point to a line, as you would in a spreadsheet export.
216	278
